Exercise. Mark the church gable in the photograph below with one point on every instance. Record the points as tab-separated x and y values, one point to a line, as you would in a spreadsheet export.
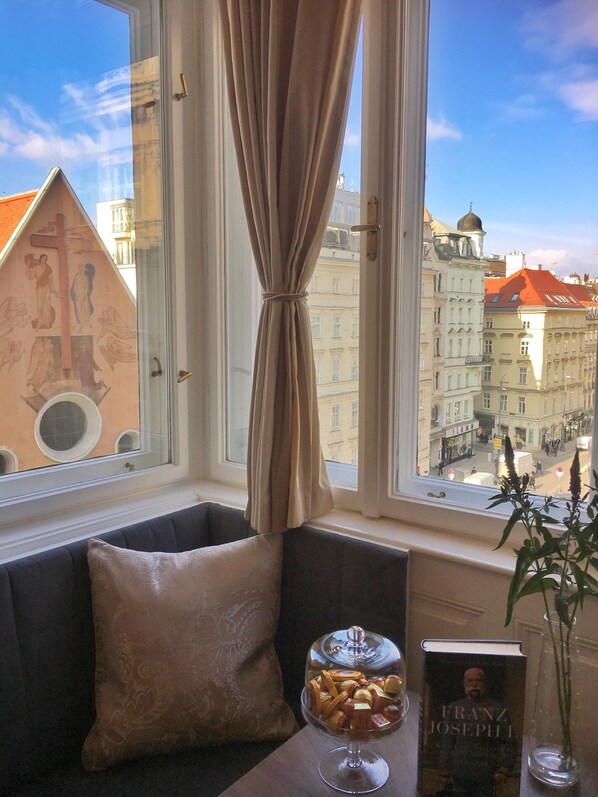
68	338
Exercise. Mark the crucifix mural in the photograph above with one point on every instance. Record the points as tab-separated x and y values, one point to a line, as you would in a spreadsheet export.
58	242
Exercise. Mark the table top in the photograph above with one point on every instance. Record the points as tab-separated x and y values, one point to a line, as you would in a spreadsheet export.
292	769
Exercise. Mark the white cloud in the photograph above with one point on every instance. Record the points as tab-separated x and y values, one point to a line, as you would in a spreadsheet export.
562	27
523	107
440	128
52	150
352	138
582	97
551	258
24	134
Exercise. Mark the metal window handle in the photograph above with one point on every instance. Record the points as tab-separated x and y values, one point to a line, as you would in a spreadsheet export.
180	95
371	228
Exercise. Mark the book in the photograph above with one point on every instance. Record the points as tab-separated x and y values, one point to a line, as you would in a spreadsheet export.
471	718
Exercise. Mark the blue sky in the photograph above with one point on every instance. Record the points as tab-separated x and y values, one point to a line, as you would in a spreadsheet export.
513	126
61	95
512	115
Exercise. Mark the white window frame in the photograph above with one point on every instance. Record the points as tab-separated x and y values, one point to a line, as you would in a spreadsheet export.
59	511
389	297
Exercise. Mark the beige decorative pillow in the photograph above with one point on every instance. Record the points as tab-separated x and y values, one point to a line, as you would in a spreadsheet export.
184	648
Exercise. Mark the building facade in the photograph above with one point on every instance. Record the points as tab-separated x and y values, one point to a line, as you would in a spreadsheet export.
536	385
68	336
334	310
461	249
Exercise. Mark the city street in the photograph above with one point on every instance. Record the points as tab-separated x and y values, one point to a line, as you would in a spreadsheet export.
547	482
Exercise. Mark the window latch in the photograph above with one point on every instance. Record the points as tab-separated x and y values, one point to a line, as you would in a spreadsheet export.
180	95
371	228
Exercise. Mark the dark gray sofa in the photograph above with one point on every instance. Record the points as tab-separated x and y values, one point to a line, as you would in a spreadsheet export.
47	650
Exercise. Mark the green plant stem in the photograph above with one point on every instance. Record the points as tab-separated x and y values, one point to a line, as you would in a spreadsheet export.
560	647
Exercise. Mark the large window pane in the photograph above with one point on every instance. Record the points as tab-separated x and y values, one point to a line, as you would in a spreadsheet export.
82	287
508	318
334	303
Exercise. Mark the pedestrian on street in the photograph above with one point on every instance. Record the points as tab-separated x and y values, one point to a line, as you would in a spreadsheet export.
539	467
532	481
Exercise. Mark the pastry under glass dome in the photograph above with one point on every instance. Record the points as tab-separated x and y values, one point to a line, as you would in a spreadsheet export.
354	692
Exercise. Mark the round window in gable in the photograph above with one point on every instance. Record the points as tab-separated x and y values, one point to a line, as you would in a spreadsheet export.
8	461
128	441
68	427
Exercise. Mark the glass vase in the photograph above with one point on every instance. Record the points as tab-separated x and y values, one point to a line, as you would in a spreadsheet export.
553	757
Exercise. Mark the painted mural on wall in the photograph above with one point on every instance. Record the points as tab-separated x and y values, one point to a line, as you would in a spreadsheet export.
67	328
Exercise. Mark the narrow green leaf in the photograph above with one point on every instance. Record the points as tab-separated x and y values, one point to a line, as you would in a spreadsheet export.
539	582
562	609
509	527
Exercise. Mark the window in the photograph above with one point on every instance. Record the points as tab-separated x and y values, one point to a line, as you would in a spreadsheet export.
336	369
524	347
120	221
354	413
523	376
335	417
336	327
521	405
526	324
87	334
503	402
395	281
354	368
124	253
336	285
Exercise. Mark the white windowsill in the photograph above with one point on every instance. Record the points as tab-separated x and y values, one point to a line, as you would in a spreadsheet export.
447	545
63	525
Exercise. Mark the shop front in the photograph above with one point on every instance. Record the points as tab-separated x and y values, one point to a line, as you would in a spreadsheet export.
457	442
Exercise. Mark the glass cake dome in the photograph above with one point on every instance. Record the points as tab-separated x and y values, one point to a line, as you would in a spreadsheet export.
355	690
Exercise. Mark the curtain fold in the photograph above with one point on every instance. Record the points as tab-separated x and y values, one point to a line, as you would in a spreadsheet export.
289	66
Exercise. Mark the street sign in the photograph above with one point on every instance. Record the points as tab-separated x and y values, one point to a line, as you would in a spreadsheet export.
498	442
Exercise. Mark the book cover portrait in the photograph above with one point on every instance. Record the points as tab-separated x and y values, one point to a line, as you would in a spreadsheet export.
471	726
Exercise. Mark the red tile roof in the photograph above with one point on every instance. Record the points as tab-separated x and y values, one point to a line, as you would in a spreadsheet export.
582	294
529	288
12	210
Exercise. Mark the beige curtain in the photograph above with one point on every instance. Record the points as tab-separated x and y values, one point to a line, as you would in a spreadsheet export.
289	64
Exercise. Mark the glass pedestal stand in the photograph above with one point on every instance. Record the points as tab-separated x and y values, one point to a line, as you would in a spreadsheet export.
353	770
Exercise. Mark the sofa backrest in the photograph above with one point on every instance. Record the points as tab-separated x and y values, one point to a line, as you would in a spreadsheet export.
47	636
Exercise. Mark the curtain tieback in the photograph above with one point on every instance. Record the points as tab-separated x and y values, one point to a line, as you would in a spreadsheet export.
284	297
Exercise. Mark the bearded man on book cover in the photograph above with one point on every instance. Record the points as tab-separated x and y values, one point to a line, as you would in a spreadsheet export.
478	747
